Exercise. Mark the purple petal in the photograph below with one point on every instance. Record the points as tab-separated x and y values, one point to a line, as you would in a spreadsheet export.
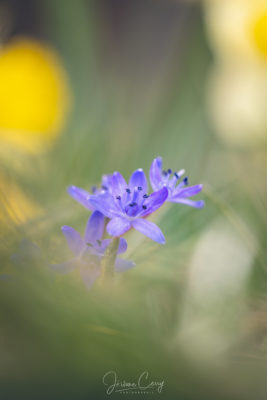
106	242
80	195
155	200
118	226
75	242
107	181
155	173
138	179
122	265
105	204
176	176
103	246
149	229
122	246
191	203
89	274
187	192
64	267
118	184
95	227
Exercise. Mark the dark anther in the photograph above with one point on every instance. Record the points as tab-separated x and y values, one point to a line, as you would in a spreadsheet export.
145	196
144	207
176	175
118	197
186	180
99	242
165	173
169	171
104	187
128	190
140	188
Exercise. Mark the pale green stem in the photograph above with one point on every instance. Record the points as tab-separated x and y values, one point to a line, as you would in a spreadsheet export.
108	261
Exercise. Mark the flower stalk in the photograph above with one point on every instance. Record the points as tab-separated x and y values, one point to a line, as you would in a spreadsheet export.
108	261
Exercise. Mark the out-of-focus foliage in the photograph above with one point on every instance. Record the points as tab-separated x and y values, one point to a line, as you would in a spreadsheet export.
191	312
16	207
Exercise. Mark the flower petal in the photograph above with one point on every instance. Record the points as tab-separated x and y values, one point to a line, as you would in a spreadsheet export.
89	274
118	226
188	202
80	195
64	267
118	184
105	204
122	265
95	227
75	242
155	173
122	246
187	192
103	245
106	242
149	229
138	179
107	181
155	200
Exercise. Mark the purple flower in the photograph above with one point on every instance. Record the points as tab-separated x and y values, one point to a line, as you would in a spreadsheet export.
178	191
89	250
82	195
128	204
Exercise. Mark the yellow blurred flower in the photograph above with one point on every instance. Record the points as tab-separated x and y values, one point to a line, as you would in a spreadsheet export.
238	28
237	100
34	95
237	97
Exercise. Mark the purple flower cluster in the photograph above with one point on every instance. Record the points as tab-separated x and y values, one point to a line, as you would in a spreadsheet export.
123	206
127	205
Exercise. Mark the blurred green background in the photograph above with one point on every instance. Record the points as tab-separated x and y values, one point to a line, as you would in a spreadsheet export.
132	80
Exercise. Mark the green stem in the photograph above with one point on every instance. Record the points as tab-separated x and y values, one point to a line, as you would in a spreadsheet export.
108	261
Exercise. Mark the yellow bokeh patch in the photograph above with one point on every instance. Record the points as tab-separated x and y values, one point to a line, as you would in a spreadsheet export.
34	94
259	29
15	206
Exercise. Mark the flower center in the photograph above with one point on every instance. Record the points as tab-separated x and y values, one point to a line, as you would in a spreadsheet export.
170	179
132	202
